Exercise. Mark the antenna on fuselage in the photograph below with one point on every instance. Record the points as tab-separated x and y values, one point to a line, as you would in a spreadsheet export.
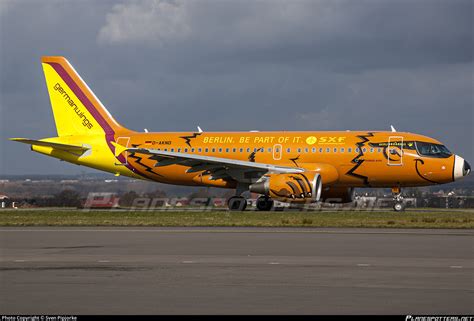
145	130
393	129
199	130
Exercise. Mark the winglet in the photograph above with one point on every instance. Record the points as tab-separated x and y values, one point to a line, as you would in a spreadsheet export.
119	149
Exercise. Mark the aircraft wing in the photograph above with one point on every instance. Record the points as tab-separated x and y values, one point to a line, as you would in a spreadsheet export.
60	146
217	167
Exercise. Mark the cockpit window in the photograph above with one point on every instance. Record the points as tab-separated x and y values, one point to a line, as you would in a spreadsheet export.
432	150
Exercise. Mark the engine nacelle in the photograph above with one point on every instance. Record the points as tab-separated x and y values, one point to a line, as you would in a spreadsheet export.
299	187
338	194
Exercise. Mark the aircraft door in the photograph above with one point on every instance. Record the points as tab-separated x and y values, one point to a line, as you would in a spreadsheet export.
277	151
124	141
394	151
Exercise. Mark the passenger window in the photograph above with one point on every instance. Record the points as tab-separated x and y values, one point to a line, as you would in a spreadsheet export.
371	150
335	150
314	150
234	150
320	150
364	149
192	150
241	150
349	150
248	150
213	150
306	150
200	150
357	150
328	150
288	150
220	150
172	149
207	150
342	149
299	150
226	150
185	150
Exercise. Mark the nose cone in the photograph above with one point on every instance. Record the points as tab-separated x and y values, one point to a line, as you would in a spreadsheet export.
461	167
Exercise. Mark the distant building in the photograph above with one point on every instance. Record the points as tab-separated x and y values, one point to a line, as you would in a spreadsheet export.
4	201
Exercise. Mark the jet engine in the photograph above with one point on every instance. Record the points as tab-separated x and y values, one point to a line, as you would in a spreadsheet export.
338	195
298	187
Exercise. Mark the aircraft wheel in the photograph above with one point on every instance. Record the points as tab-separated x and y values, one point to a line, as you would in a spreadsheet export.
237	203
264	203
399	207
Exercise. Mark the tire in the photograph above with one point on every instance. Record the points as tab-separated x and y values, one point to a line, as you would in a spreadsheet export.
399	207
237	203
264	203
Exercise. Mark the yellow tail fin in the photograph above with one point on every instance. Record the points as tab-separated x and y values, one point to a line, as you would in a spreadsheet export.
77	111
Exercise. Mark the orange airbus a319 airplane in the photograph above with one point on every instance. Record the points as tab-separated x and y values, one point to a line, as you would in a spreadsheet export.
287	166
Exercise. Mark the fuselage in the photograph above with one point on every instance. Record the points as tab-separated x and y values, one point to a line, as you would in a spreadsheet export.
344	158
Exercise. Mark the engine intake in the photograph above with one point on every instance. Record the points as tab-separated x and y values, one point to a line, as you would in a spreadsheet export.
299	187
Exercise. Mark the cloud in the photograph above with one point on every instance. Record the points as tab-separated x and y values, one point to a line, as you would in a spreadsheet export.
150	22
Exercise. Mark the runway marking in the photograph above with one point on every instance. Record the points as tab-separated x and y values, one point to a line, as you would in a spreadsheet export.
363	264
245	230
274	263
456	267
188	262
19	261
103	261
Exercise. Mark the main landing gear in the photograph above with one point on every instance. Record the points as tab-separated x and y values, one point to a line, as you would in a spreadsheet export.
399	205
264	203
237	203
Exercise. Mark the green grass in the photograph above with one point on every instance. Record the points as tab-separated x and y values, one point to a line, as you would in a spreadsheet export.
408	219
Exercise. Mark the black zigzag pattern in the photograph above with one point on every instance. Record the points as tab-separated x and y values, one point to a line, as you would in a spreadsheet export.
357	161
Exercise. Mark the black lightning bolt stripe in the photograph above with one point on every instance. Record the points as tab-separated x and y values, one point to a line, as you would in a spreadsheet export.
357	161
252	155
295	159
139	161
188	138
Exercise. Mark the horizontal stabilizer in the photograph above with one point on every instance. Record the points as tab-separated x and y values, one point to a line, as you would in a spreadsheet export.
60	146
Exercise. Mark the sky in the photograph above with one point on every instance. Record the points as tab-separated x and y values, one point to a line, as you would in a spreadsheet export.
242	65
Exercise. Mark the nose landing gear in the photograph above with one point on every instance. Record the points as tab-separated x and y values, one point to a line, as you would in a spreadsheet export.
399	205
